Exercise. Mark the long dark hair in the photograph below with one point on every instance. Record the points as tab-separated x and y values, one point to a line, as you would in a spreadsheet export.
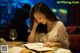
42	8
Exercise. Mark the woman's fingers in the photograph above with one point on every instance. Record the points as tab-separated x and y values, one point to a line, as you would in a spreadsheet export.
35	22
48	44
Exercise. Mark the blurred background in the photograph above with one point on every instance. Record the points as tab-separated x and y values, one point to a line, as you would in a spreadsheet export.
8	7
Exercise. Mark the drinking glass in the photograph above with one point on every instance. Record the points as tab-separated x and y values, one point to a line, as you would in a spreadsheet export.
13	34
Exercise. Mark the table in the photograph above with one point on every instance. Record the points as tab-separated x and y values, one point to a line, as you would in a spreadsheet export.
12	44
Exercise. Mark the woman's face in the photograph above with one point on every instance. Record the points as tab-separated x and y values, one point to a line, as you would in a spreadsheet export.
40	17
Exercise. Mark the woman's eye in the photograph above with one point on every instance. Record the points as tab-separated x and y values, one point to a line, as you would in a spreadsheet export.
40	18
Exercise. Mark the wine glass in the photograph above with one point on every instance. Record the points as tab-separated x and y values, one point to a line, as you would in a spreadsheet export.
13	34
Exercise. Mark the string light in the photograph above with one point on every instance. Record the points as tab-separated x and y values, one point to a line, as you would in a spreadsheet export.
63	11
54	10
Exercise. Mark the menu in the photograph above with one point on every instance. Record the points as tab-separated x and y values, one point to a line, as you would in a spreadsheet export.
37	47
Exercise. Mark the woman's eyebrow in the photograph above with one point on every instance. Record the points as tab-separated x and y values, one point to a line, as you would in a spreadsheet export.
39	15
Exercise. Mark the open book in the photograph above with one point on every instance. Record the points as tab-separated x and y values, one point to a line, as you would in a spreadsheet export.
38	47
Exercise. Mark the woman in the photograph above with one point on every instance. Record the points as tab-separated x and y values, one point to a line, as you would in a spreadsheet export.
47	28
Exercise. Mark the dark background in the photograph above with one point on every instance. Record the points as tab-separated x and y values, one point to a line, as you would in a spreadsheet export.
8	7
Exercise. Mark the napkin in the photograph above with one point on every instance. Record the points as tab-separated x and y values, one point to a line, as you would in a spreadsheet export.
2	41
15	50
61	50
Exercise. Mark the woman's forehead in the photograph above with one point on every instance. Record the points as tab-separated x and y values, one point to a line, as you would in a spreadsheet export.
37	14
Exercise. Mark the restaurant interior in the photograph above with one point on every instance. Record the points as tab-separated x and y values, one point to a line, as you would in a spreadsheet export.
69	14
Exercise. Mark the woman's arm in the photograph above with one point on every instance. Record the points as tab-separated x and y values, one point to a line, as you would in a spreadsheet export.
63	37
52	44
32	36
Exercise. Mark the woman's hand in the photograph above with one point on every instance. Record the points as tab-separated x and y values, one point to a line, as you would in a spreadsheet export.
49	44
35	23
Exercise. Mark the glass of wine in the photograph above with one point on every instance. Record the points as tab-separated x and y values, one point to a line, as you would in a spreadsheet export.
13	34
